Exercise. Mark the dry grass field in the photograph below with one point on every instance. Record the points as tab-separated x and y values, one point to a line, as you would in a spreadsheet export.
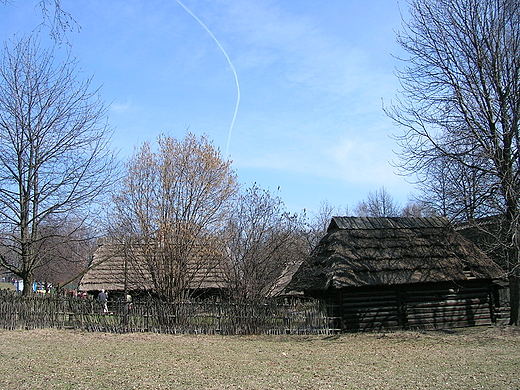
473	358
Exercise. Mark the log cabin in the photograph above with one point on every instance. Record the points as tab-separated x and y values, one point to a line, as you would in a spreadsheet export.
400	273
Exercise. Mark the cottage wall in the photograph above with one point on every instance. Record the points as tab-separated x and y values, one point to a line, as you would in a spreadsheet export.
414	306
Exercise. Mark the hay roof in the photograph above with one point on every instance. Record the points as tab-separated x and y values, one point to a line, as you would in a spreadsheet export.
279	287
114	265
389	251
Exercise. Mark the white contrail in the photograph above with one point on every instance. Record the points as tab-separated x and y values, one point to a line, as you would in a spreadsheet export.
230	64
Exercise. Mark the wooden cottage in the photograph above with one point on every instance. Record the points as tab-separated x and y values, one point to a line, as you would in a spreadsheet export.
118	268
396	273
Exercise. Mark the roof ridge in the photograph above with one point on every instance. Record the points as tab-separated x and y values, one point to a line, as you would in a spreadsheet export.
371	223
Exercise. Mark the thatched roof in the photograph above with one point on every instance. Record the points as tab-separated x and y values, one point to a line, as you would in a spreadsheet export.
389	251
114	265
279	287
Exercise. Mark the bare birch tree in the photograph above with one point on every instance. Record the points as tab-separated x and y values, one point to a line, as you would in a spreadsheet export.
460	101
54	156
172	204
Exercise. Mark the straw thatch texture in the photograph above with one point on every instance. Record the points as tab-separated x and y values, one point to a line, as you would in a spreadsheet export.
279	287
117	266
360	252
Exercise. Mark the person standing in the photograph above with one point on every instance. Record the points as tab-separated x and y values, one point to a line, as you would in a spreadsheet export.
102	298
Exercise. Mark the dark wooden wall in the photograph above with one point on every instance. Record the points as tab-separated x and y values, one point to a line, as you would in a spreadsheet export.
414	306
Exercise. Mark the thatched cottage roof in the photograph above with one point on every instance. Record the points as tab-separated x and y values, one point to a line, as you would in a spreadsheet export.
115	265
390	251
279	287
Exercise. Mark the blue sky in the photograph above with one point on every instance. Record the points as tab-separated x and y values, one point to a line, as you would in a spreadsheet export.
312	78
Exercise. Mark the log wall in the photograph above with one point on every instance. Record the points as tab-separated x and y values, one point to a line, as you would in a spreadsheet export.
425	306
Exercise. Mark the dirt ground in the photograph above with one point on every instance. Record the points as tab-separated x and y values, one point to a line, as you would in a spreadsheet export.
472	358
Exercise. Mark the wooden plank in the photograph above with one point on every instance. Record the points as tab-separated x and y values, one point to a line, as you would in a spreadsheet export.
448	324
444	292
446	300
426	294
438	308
450	303
461	313
417	316
362	304
369	311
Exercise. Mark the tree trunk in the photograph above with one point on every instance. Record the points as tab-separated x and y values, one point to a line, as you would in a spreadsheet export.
514	285
27	284
514	292
513	257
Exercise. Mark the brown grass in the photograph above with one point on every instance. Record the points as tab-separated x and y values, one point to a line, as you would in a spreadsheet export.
473	358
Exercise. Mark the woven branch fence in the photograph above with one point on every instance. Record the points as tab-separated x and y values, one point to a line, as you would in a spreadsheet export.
204	317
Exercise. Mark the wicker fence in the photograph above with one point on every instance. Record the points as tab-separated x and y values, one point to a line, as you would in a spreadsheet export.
206	317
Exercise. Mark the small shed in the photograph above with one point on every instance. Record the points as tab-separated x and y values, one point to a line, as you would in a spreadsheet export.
395	273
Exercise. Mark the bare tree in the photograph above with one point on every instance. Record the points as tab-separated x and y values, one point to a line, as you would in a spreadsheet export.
261	238
460	101
171	205
65	253
418	209
456	190
54	17
378	204
54	157
319	221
